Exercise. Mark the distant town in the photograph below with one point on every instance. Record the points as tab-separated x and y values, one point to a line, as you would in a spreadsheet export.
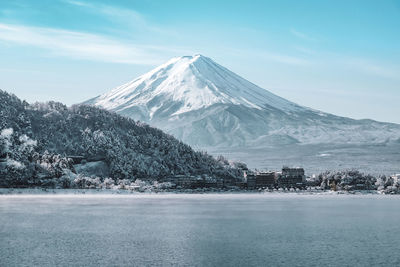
294	179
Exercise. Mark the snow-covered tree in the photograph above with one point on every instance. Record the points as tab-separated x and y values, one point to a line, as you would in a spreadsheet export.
45	133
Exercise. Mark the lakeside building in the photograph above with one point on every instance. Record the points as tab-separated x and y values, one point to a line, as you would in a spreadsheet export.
291	177
251	181
260	180
265	179
191	182
288	177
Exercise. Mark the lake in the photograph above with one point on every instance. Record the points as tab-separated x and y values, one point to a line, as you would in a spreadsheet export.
200	230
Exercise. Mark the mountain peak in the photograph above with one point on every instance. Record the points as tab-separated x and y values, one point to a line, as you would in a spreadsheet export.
206	105
189	83
194	57
186	61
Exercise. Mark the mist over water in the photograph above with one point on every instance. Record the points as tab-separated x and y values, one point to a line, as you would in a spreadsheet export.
199	230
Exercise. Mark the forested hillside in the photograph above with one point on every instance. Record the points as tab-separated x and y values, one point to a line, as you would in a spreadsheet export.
36	139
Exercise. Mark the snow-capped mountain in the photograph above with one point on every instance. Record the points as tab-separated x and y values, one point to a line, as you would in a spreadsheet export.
206	105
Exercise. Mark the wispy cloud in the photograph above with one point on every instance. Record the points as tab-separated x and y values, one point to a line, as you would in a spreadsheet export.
268	56
301	35
80	45
374	68
76	3
278	57
305	50
286	59
128	18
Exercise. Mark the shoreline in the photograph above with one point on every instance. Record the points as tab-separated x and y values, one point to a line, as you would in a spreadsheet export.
121	192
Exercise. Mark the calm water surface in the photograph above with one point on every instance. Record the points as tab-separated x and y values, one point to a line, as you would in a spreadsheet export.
200	230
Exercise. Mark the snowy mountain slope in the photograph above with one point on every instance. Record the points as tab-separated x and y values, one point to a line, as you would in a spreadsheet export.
36	138
205	104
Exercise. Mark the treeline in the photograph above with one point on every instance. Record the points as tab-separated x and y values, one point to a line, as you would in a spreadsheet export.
355	180
36	139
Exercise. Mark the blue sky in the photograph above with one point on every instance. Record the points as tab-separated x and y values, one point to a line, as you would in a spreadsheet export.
341	57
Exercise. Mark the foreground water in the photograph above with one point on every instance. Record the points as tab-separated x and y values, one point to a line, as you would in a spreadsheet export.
200	230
